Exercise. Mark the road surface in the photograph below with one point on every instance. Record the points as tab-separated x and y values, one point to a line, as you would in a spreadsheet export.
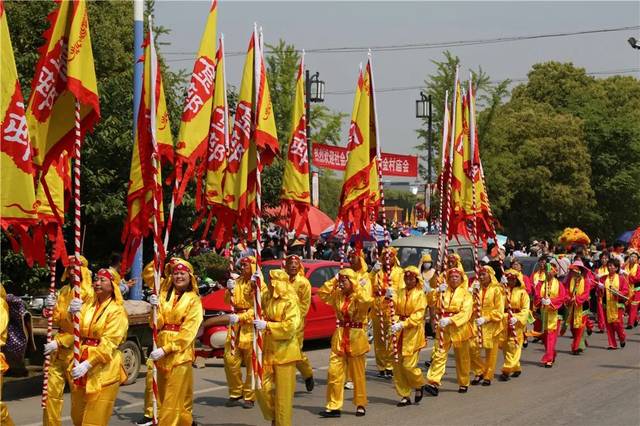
600	387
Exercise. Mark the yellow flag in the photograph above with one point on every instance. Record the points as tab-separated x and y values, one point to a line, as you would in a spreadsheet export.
266	135
18	209
360	193
218	143
459	182
196	121
152	141
65	72
295	182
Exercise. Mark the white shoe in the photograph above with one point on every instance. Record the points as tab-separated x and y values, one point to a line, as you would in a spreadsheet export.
348	385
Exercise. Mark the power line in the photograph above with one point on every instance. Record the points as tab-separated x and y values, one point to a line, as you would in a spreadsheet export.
422	46
512	80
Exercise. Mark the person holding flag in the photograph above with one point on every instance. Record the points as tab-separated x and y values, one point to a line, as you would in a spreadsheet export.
549	298
103	327
240	294
488	323
517	297
302	288
179	315
578	286
350	299
282	320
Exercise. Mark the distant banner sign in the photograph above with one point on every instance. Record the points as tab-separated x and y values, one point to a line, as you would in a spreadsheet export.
335	158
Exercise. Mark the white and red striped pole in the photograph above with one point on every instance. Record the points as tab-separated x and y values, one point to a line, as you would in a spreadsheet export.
77	232
47	358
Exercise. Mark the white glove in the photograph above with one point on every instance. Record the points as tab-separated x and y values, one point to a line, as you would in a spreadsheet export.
624	272
50	301
255	277
481	321
396	327
442	287
52	346
513	321
444	322
427	288
476	286
75	306
504	280
231	284
363	282
601	286
389	293
80	370
157	354
546	301
154	300
259	324
233	319
377	266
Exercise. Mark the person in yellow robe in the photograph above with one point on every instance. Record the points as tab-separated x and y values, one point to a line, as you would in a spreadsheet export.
549	298
280	326
487	320
240	294
179	315
517	297
350	299
408	325
302	288
98	375
5	418
456	305
387	266
60	349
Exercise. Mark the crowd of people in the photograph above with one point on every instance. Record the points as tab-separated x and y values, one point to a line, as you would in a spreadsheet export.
498	310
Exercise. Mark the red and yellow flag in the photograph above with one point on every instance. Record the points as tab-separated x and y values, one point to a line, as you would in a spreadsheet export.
266	135
459	184
196	122
18	209
65	72
359	200
152	146
238	189
216	160
295	182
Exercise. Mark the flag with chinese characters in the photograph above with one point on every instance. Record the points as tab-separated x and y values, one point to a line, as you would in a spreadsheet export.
196	121
266	135
238	189
152	145
360	196
64	72
459	183
18	209
295	182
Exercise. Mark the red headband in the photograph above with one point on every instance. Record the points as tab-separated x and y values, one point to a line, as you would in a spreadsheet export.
181	267
455	271
105	273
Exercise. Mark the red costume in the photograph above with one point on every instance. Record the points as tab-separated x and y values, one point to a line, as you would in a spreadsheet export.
610	289
633	278
552	291
577	285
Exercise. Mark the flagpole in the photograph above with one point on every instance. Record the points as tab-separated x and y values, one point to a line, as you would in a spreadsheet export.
135	293
77	277
47	358
443	172
386	257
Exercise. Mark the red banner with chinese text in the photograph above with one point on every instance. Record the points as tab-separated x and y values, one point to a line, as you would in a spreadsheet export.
335	158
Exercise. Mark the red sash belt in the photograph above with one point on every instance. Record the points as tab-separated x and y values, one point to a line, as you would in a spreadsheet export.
448	314
402	317
90	342
171	327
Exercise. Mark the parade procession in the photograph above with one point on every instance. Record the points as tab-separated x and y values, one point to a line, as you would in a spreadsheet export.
179	250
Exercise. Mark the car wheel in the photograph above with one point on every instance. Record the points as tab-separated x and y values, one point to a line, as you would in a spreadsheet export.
131	358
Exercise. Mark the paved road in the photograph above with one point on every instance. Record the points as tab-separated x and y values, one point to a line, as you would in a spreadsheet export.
598	388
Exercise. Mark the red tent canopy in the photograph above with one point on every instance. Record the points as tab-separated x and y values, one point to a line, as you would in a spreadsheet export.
317	218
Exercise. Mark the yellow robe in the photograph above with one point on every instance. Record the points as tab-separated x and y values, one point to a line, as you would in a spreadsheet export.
281	353
242	302
349	345
302	287
380	319
551	290
179	318
492	310
105	325
511	349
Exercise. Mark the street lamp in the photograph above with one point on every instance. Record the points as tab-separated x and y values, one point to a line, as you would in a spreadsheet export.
314	92
634	43
423	110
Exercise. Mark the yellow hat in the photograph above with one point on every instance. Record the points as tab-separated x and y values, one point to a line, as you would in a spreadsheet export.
182	265
114	277
415	271
300	265
512	273
279	283
349	273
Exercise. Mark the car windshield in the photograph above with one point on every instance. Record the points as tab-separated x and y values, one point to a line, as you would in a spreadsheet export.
410	256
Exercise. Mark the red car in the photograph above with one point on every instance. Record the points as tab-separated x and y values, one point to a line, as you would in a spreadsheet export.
320	322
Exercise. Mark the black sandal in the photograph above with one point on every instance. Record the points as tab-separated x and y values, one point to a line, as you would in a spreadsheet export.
360	411
476	380
431	389
404	402
463	389
486	382
516	374
419	395
503	377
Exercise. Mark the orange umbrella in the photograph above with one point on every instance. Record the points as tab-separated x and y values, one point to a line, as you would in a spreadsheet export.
317	218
